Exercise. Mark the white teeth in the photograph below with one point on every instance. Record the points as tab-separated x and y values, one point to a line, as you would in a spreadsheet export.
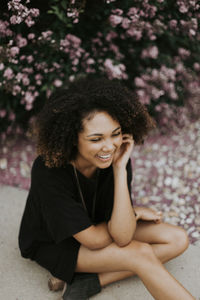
104	156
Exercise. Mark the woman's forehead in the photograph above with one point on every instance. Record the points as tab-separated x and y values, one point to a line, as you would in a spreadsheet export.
99	122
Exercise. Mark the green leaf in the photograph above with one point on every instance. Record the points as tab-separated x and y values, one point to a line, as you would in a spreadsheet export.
64	4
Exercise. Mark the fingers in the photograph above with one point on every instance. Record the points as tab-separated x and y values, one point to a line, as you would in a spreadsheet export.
127	137
128	140
158	217
148	214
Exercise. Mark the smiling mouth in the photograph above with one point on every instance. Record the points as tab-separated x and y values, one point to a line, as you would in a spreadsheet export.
104	157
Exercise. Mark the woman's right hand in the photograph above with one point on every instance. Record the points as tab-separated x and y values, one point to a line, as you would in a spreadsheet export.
122	155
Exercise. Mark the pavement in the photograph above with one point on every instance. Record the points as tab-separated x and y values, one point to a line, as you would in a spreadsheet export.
21	279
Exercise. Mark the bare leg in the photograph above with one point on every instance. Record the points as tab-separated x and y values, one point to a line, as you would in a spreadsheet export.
136	258
167	241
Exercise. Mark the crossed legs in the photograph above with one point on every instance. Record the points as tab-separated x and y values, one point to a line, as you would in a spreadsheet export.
153	245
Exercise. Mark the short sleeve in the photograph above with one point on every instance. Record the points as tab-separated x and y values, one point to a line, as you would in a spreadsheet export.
63	214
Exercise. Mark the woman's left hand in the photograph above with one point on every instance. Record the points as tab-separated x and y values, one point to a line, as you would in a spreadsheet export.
148	214
122	155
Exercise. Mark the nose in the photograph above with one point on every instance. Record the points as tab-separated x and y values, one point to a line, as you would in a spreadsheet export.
108	146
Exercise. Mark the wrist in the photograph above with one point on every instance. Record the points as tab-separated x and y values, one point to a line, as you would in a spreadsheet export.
119	170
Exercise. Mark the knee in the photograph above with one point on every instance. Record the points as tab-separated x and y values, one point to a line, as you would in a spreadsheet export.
179	239
136	256
143	252
144	258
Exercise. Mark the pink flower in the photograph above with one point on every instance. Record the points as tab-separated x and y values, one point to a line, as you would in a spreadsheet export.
31	36
16	90
169	73
8	73
126	23
117	11
1	66
2	113
151	52
73	13
21	42
57	83
19	77
111	35
29	98
74	39
14	51
64	43
184	53
38	77
180	67
143	97
183	8
139	82
192	32
97	41
29	106
31	88
75	62
158	108
25	80
29	21
47	34
156	93
71	78
15	20
115	20
22	57
196	66
48	93
173	24
56	65
90	61
115	71
34	12
133	32
28	70
76	20
11	116
30	59
132	11
4	30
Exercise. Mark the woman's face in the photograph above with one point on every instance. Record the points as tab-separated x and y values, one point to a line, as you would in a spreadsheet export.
97	142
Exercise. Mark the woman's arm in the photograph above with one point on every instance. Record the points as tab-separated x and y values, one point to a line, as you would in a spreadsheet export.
122	224
94	237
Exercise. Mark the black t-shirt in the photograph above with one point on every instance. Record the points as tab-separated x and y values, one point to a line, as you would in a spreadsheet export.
54	211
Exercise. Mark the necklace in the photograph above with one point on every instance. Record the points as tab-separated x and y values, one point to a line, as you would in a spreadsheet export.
81	194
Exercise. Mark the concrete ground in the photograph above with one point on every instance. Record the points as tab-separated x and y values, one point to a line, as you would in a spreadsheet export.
22	279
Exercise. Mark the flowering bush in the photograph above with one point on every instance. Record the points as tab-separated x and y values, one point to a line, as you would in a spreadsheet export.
152	46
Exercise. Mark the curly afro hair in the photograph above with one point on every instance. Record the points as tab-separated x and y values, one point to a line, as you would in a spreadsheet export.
61	120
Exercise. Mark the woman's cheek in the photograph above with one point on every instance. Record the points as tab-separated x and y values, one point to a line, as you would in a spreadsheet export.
97	147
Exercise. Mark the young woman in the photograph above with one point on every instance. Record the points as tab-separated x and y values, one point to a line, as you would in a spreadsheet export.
79	222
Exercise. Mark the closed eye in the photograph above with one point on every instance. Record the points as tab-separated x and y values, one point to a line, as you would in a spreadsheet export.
99	138
116	134
95	140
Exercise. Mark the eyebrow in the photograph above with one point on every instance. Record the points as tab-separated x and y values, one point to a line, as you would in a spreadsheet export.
100	134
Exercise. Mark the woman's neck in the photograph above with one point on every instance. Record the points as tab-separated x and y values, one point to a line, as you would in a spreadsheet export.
86	170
